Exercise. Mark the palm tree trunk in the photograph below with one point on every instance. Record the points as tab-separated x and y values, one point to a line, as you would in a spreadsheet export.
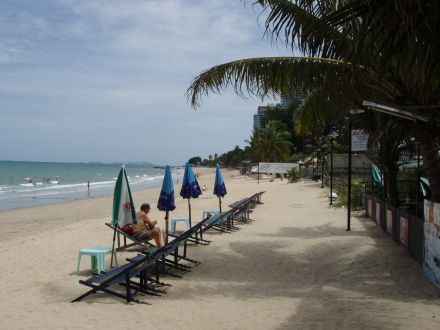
431	162
391	171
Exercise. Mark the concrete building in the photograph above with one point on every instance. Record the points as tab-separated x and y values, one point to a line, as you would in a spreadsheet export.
300	95
260	117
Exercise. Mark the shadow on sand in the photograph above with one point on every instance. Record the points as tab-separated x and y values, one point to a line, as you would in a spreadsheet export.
353	273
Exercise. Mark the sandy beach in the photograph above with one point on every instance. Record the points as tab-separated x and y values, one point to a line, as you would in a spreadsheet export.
293	267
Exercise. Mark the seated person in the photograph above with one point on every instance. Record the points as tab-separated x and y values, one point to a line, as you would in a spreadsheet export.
145	227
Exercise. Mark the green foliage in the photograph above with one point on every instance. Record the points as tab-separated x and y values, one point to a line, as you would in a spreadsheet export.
271	144
297	157
293	175
195	160
357	193
232	158
355	50
341	200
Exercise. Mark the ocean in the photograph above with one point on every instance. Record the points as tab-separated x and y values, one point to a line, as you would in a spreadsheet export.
25	184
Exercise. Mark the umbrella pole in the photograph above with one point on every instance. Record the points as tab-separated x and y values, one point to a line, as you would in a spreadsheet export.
189	211
166	227
113	248
220	204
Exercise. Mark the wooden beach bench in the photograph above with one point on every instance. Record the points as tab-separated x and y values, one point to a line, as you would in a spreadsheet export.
122	276
219	221
152	259
244	207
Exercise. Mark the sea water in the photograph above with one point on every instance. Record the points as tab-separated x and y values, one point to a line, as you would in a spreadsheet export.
25	184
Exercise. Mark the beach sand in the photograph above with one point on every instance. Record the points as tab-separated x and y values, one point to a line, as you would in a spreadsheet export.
293	267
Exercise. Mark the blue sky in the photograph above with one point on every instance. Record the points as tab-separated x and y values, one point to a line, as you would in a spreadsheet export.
103	80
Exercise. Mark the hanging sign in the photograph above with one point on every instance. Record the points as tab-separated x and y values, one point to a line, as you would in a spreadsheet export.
359	140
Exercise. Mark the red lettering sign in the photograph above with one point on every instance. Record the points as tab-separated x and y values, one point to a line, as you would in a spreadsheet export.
126	206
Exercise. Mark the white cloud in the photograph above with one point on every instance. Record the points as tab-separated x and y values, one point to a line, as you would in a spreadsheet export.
75	67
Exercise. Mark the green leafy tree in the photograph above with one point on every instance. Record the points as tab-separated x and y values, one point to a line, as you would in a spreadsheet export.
287	117
195	160
270	144
355	50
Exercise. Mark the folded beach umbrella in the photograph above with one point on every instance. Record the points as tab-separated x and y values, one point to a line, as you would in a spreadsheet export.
166	198
124	212
377	175
190	187
424	186
219	187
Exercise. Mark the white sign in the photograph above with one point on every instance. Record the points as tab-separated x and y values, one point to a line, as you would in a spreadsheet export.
276	167
359	140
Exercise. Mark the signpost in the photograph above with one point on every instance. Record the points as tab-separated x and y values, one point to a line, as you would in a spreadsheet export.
358	142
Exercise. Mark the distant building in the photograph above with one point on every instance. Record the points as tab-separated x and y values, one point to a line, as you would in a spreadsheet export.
260	117
285	101
300	95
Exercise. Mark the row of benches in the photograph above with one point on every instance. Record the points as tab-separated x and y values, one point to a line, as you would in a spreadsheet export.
135	276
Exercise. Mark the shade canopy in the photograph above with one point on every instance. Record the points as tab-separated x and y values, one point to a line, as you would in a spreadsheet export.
123	207
166	198
219	186
190	186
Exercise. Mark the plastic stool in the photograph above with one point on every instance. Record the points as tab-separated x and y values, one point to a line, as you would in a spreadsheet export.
97	254
174	221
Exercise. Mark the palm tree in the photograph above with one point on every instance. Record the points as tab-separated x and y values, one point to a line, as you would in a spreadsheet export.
270	144
352	54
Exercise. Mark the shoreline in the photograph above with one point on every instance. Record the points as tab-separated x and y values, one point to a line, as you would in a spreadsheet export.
40	218
31	186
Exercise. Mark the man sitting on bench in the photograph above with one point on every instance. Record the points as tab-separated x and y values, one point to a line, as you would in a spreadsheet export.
146	228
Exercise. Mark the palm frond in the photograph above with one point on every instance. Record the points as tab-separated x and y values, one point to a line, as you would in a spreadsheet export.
269	77
296	23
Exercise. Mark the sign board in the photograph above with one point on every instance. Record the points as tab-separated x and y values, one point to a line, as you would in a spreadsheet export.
359	140
276	167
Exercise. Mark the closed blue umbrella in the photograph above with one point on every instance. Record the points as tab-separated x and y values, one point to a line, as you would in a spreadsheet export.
219	186
166	198
190	187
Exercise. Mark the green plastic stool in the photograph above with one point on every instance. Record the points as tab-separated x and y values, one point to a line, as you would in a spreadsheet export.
97	254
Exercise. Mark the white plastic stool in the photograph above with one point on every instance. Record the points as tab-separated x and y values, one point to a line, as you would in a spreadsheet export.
174	220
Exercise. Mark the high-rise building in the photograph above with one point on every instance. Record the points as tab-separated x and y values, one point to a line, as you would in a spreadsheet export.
260	117
300	94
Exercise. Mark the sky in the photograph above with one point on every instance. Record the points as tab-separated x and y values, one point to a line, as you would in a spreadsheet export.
105	81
